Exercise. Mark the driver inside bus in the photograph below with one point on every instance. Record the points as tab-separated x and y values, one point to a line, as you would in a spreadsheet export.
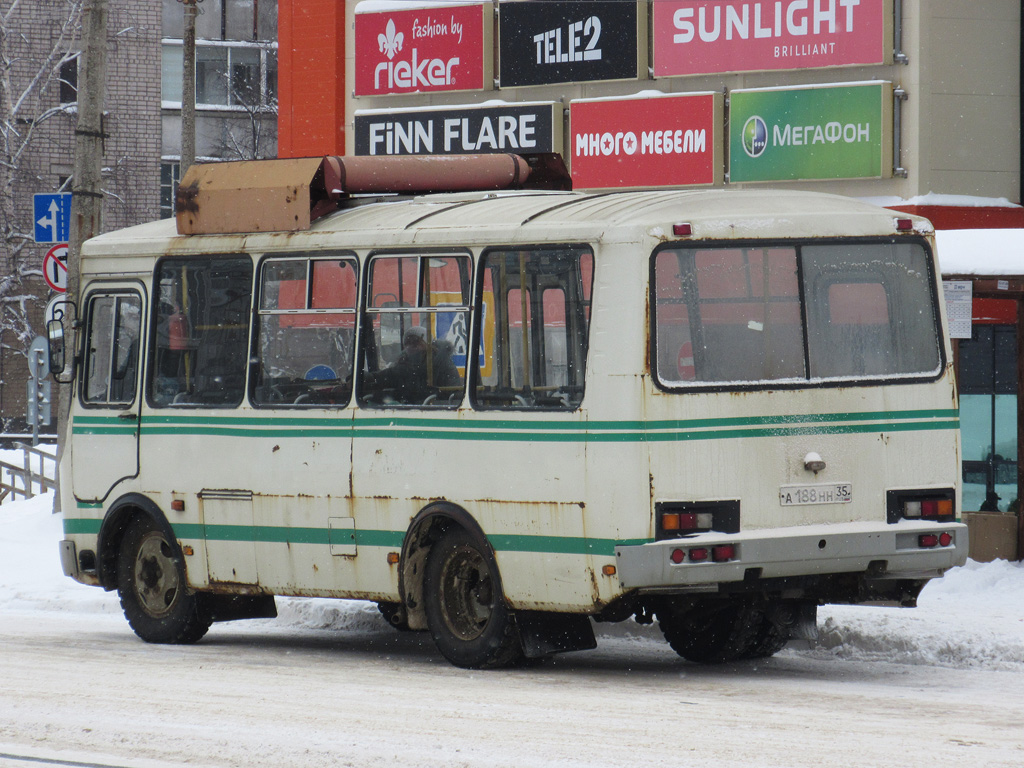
419	371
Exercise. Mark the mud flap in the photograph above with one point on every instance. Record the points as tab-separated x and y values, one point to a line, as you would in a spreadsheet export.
234	607
544	633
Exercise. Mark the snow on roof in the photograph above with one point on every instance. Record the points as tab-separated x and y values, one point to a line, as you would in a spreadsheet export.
933	198
995	252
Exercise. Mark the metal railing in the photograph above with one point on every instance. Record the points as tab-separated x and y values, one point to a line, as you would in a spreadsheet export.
37	474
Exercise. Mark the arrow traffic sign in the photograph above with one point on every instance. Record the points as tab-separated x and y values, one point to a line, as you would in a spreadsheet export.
55	267
52	217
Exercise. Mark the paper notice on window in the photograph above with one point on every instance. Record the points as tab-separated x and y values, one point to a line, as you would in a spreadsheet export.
959	296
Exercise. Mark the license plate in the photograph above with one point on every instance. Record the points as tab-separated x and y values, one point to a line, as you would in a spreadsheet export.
824	493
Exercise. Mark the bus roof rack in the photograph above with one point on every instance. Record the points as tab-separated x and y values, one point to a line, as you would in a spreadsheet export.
289	194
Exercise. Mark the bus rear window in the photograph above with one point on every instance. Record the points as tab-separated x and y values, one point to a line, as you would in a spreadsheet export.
794	314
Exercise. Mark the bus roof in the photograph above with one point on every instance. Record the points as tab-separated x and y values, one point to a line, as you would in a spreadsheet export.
538	216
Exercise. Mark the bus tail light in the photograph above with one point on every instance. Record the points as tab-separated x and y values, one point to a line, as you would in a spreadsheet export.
677	519
723	553
719	553
934	506
931	540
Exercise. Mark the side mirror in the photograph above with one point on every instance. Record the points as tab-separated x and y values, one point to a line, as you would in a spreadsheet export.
55	342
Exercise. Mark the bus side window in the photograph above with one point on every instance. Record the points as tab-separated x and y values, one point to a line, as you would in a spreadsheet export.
534	317
201	332
112	349
305	332
415	331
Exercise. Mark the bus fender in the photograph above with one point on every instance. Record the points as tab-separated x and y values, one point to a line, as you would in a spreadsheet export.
115	522
429	524
541	632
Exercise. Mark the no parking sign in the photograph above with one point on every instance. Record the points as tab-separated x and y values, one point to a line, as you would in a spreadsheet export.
55	267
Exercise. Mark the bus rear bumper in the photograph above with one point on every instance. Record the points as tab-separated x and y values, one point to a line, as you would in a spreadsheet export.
901	550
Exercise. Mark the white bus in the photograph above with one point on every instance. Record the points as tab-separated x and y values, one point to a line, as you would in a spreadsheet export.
503	415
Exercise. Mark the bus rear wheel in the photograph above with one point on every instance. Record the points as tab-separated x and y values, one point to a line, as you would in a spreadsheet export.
712	631
151	584
465	606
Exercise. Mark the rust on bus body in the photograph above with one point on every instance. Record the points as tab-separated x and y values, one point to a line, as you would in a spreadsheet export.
287	195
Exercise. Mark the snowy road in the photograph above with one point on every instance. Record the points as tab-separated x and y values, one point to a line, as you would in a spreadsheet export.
83	688
328	683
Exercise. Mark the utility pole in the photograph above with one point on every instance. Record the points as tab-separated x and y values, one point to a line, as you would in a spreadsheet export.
86	187
188	89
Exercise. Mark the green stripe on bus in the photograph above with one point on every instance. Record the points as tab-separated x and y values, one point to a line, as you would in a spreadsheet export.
583	435
84	525
555	431
345	421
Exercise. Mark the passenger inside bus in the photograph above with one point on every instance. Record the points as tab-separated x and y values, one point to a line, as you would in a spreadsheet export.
419	373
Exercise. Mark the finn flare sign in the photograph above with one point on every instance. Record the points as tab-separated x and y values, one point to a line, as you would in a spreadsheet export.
517	128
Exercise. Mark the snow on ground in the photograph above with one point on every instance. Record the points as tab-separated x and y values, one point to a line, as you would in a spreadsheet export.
972	619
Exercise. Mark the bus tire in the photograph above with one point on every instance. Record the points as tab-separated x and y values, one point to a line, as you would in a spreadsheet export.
465	606
152	587
712	631
771	634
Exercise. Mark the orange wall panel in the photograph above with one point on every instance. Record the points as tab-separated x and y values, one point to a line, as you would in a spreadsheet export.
311	78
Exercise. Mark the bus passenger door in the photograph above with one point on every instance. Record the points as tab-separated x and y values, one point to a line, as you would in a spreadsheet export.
106	419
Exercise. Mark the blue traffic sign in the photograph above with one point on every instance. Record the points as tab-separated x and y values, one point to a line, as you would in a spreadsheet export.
52	217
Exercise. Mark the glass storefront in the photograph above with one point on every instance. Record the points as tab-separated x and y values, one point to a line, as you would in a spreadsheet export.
988	409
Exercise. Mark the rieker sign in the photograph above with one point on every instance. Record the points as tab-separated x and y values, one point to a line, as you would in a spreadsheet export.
694	37
421	50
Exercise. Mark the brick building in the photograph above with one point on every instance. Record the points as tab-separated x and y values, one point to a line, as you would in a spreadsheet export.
236	83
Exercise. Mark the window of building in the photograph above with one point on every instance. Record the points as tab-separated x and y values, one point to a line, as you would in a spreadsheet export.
415	331
224	19
236	54
306	329
988	410
533	318
69	81
240	76
170	176
201	332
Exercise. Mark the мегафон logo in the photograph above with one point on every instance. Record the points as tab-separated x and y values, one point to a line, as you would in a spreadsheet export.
755	136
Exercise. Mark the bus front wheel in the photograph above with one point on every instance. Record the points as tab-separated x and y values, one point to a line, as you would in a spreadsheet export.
465	606
152	588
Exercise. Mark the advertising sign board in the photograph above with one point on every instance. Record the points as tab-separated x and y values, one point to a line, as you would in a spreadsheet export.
841	131
524	128
694	37
646	141
424	49
543	43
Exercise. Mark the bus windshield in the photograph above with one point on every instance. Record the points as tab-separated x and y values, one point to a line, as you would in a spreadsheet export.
794	314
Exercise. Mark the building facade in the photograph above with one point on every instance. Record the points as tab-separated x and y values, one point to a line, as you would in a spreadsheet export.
914	104
236	103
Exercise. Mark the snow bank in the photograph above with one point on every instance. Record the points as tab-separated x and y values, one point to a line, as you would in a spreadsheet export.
972	618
